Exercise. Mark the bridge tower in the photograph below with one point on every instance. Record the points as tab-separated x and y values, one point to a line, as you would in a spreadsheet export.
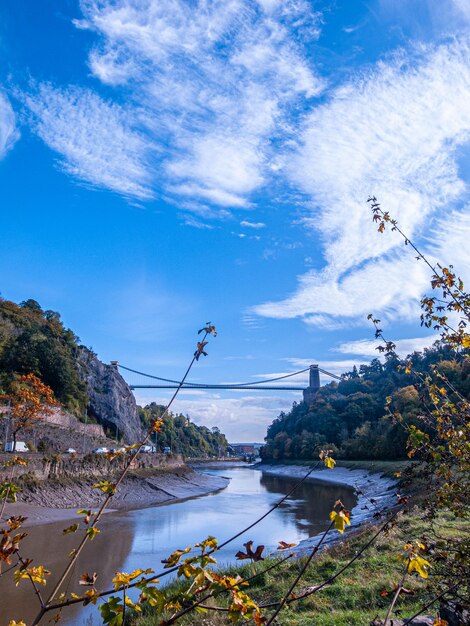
314	385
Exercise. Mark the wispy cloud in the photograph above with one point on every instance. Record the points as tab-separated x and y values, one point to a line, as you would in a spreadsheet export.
396	132
368	347
248	224
8	131
240	417
210	84
97	140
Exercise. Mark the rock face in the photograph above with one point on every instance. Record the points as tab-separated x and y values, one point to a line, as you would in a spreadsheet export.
111	401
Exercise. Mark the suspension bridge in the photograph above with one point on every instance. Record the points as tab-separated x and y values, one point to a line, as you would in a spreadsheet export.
265	384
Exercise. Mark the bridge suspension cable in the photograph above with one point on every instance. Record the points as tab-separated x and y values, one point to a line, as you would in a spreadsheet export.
176	382
247	385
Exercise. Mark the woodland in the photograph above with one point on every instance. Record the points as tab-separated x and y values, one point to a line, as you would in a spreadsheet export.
349	416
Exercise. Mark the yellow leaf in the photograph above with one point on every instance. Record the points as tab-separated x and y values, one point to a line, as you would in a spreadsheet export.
134	606
340	520
37	574
91	596
419	565
329	462
92	532
70	529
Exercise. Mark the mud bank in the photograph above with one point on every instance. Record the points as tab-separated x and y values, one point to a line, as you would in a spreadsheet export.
58	500
374	491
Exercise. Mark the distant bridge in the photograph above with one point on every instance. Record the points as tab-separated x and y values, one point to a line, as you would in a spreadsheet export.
308	392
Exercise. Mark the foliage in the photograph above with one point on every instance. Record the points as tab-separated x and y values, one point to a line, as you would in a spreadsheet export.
350	417
36	341
358	597
28	402
181	435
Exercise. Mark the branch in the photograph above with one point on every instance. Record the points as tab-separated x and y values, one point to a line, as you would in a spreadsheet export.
170	570
299	575
36	588
433	601
397	593
48	606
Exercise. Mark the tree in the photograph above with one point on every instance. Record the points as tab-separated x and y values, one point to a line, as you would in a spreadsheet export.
29	401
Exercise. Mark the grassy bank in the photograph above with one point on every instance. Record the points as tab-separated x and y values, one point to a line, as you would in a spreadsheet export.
355	597
389	468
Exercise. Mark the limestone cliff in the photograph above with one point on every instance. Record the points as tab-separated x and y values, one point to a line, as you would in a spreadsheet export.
110	399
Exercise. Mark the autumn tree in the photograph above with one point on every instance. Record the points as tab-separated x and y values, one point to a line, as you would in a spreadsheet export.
29	401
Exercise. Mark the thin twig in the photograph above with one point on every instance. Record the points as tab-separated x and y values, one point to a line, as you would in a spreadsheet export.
170	570
397	593
36	588
47	606
433	601
299	575
5	498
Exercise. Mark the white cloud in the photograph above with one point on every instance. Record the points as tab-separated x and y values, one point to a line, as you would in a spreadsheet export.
448	242
380	285
463	7
189	220
368	347
95	138
207	83
240	418
335	366
248	224
393	132
8	131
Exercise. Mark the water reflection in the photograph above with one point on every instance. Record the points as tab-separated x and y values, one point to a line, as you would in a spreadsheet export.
48	546
313	501
142	538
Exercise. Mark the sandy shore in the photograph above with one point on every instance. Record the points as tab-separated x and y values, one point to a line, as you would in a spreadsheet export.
134	493
375	492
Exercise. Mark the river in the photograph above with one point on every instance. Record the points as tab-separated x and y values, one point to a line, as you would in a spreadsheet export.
142	538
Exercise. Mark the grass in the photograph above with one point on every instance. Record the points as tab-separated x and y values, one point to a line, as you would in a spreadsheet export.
353	598
389	468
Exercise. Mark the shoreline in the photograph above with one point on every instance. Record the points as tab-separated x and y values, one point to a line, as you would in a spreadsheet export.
135	493
368	486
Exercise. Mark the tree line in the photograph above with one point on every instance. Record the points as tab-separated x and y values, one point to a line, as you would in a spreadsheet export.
35	342
349	417
180	434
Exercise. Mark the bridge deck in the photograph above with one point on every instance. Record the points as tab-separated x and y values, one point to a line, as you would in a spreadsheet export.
232	387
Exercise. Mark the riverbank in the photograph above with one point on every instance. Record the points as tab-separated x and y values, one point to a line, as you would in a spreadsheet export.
360	596
141	489
374	491
372	564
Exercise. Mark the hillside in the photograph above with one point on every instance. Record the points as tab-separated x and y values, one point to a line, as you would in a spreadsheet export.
183	436
33	340
349	417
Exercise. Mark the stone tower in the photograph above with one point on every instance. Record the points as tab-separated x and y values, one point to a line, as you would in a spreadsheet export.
314	385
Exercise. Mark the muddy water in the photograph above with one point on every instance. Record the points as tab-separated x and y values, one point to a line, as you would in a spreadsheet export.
142	538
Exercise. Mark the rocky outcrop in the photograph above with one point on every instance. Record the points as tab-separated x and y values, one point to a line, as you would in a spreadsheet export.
110	399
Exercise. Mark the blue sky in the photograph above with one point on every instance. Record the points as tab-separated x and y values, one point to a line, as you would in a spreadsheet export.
167	162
